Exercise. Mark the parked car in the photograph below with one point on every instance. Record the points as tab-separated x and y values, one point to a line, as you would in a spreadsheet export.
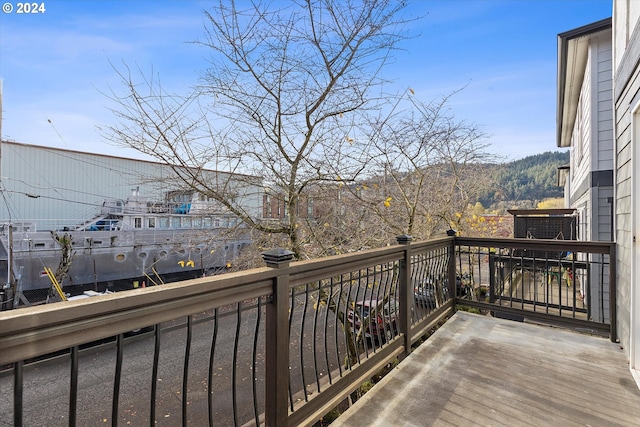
424	293
463	288
425	290
382	325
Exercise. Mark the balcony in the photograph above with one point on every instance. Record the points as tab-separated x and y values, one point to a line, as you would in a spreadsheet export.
478	370
288	343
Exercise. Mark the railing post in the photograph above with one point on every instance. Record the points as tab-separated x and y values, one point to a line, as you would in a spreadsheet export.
451	272
277	341
404	294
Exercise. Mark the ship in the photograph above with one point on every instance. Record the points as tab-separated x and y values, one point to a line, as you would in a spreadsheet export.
121	237
127	244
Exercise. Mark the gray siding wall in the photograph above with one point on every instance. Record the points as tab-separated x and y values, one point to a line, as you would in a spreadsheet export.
627	94
581	138
592	142
603	97
602	231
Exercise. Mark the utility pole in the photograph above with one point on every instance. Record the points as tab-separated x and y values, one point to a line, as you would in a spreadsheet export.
5	286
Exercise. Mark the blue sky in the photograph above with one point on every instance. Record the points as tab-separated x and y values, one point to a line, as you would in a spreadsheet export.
55	65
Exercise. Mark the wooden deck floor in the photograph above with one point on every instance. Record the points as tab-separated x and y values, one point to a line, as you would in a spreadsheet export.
479	370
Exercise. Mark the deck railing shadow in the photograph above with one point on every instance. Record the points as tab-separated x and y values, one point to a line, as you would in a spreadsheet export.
283	345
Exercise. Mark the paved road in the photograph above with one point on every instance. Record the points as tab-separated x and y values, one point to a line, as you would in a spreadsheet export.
46	384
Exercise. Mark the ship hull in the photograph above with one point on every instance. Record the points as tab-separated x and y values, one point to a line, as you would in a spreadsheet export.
115	256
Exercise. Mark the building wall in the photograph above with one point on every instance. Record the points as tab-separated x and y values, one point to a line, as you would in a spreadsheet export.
603	202
626	14
626	96
275	207
602	75
603	151
592	147
68	187
581	140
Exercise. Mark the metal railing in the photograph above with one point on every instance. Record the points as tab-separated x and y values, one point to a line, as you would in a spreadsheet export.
568	282
275	346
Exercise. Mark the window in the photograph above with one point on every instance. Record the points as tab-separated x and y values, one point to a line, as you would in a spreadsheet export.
137	222
152	223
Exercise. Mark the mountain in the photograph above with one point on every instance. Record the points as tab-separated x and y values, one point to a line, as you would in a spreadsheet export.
525	182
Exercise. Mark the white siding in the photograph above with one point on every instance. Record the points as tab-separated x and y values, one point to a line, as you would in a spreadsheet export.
581	140
623	221
626	15
603	106
592	141
602	229
584	215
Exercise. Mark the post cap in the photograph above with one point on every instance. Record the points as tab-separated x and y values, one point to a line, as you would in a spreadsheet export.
277	258
404	239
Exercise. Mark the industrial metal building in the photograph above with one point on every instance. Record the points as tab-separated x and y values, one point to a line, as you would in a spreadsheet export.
57	188
72	221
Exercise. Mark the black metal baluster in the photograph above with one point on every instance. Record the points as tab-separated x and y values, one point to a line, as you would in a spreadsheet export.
301	339
18	382
315	334
443	273
185	370
391	285
388	278
431	267
546	284
511	280
419	283
522	272
234	366
355	313
368	295
255	361
154	377
395	327
535	282
117	379
326	330
479	256
572	277
291	308
559	287
73	392
381	284
345	320
212	354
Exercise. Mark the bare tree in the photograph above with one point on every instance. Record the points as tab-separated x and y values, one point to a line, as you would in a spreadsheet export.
429	168
278	101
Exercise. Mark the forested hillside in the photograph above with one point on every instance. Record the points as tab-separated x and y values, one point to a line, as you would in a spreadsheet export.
525	182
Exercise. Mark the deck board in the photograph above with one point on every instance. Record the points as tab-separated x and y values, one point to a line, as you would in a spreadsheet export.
479	370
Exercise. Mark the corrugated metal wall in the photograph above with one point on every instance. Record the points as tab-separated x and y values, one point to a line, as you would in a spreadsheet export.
41	183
